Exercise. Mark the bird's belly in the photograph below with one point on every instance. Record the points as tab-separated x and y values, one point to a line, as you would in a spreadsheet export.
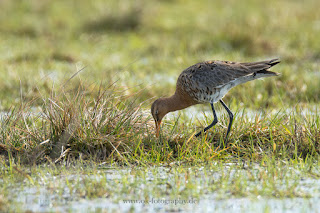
218	94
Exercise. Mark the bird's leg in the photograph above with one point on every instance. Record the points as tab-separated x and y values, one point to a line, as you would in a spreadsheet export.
230	116
213	122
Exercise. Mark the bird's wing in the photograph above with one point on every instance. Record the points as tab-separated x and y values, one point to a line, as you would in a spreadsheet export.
214	74
207	77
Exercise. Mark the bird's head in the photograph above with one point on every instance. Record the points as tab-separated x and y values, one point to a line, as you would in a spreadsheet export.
158	110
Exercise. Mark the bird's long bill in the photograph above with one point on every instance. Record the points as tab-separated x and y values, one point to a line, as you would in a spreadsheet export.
157	128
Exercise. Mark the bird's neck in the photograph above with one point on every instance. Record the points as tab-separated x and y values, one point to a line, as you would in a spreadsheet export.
177	102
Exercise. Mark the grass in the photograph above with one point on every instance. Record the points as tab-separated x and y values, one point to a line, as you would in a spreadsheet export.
110	127
78	78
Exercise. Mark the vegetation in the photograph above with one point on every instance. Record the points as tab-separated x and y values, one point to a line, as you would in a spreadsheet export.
111	128
78	78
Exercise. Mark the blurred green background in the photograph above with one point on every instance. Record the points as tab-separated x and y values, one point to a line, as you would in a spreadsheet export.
144	45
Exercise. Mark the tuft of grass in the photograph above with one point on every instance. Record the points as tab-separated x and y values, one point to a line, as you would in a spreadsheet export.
70	126
121	21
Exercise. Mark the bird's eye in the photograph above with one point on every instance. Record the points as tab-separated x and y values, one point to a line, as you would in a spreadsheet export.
157	112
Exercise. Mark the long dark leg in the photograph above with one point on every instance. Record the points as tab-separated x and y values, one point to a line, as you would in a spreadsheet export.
213	122
230	116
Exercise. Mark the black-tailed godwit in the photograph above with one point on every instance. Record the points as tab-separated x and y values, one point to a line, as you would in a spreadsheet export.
208	82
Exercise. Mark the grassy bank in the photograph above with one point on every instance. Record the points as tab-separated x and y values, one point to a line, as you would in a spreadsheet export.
112	128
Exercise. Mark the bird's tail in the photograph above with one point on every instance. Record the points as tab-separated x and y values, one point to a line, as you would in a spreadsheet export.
261	68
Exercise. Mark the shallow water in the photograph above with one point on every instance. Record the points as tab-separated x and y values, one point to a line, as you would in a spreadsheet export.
204	205
46	197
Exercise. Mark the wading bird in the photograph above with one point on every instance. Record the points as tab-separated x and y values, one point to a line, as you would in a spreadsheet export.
208	82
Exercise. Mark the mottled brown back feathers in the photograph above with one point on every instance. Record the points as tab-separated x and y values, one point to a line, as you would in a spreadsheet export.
207	77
